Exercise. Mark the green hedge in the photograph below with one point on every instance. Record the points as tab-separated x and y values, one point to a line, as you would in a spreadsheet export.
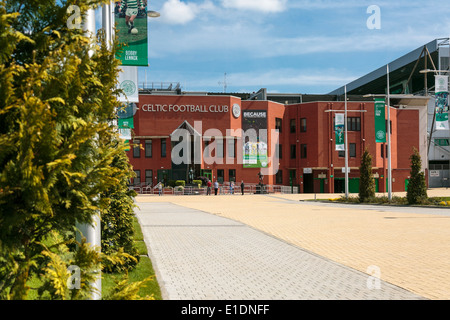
197	182
180	183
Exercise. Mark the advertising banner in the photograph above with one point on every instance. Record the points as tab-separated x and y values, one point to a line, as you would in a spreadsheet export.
441	98
128	82
131	30
380	120
125	122
254	125
339	131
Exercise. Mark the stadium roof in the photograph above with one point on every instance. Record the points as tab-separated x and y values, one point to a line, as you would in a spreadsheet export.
400	70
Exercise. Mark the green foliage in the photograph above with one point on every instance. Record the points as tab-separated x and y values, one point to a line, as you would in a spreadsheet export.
170	183
197	182
59	153
124	290
417	188
117	218
366	182
180	183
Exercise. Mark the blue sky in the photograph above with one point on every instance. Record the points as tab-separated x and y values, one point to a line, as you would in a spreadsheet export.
283	45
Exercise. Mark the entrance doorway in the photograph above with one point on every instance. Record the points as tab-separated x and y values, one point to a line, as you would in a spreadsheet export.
308	183
207	174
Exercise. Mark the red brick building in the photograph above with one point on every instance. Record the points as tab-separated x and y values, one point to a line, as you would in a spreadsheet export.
307	156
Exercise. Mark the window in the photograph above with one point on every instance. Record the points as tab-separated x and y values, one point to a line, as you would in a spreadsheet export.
351	151
136	149
280	151
163	148
279	177
148	148
219	148
303	125
353	124
438	165
149	177
292	125
231	147
303	150
220	175
293	151
232	174
137	179
390	124
278	124
384	150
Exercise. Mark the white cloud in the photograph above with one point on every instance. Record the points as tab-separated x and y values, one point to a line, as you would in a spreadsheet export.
177	12
256	5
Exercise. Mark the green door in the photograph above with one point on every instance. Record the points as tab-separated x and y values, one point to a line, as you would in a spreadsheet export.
353	185
377	185
207	174
406	184
322	185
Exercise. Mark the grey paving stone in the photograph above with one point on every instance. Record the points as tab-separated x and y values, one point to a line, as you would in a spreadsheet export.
200	256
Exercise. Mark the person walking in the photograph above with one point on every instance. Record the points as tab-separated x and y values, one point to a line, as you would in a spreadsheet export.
208	187
216	187
232	187
242	187
159	186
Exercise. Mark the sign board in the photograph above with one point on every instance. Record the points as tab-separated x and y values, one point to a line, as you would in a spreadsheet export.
339	131
380	120
434	173
254	125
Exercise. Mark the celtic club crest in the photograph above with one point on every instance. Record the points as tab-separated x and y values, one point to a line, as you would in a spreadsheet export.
380	134
128	87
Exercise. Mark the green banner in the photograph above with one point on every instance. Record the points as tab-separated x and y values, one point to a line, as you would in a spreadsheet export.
131	30
441	102
339	127
380	120
126	123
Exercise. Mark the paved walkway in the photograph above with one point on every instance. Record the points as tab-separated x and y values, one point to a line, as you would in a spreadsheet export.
202	256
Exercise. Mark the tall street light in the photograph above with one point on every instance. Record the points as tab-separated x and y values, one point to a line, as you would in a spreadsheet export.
388	129
346	111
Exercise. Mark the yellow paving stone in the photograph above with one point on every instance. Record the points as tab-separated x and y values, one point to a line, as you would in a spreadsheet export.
411	250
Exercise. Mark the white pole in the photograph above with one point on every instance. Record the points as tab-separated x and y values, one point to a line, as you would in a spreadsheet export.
106	23
389	136
92	232
346	144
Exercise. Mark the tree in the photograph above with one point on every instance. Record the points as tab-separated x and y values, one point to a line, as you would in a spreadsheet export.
58	98
117	218
366	182
417	187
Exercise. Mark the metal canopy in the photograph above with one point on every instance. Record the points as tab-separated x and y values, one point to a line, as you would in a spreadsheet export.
401	69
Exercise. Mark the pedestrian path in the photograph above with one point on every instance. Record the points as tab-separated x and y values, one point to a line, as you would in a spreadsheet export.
201	256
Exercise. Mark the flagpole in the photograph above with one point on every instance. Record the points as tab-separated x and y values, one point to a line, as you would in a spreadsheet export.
389	136
346	143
